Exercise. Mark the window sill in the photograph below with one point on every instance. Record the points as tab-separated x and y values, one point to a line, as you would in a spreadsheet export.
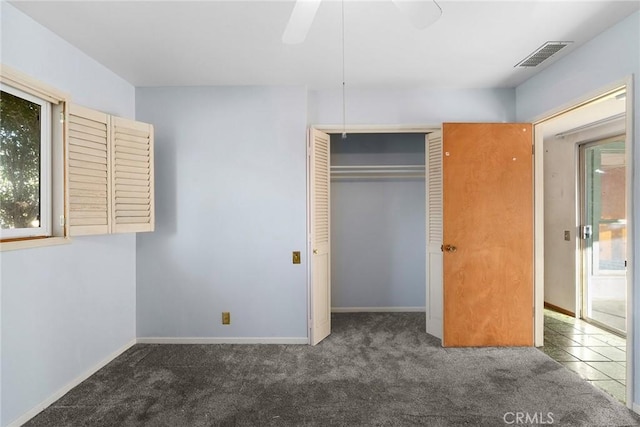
34	243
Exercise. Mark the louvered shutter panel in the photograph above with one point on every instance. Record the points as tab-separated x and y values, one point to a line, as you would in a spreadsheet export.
132	176
88	184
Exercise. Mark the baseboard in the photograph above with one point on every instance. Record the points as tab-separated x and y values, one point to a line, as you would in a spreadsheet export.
376	309
67	387
559	309
223	340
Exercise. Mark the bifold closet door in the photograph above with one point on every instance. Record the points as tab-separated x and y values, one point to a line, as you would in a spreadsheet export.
433	186
320	259
488	234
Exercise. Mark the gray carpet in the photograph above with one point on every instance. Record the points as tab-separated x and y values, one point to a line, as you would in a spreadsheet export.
375	369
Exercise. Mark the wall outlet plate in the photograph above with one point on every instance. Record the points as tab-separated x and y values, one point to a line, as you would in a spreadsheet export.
296	257
567	235
226	318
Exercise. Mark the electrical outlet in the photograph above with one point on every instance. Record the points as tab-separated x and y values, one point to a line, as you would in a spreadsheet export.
296	257
226	318
567	235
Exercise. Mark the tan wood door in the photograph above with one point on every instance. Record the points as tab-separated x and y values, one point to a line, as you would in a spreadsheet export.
488	234
320	315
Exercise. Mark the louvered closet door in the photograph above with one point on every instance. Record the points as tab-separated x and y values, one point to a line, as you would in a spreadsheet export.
320	236
88	166
132	173
434	233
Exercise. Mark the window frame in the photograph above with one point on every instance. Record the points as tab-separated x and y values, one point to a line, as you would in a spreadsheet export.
59	101
46	141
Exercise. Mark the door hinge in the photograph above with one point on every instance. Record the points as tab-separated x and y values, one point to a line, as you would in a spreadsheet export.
533	150
61	117
61	220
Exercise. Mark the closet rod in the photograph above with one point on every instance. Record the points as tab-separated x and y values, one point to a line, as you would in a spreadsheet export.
409	167
377	171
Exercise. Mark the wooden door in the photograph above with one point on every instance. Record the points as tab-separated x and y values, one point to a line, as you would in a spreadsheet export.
320	236
488	234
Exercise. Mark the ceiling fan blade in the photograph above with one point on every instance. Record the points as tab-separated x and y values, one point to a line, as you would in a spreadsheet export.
300	21
421	13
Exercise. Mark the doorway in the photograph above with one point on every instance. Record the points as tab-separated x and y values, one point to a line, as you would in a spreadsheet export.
384	167
583	202
377	194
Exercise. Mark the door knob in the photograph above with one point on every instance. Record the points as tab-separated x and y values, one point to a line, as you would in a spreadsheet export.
450	248
315	252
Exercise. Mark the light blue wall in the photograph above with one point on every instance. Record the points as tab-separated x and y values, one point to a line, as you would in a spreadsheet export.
412	106
64	308
230	209
378	238
231	202
611	56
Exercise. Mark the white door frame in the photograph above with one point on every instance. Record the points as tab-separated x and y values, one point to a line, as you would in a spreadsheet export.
338	129
539	213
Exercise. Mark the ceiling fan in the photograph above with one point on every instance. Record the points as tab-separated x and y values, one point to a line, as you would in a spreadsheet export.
421	13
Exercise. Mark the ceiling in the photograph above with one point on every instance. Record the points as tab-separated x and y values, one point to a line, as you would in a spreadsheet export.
475	44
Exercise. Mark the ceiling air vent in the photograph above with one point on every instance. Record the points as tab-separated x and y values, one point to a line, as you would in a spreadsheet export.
541	54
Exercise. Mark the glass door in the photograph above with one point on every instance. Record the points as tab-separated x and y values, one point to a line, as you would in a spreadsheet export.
604	233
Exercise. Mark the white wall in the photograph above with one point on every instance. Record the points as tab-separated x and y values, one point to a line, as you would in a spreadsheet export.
560	215
609	57
64	308
230	209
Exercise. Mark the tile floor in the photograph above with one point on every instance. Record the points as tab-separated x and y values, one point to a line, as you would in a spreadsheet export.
596	355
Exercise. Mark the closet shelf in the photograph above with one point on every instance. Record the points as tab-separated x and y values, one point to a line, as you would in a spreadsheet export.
377	171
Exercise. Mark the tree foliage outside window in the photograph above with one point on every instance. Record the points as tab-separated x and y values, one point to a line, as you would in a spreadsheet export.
20	145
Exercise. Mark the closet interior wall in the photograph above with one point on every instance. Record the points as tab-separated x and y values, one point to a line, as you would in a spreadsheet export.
378	241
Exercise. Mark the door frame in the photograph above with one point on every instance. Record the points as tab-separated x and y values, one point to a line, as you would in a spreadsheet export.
538	122
338	129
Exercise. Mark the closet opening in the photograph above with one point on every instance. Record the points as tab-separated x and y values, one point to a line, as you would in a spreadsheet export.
377	211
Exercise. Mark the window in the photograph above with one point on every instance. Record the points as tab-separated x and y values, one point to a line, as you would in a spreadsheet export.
32	162
66	170
25	165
